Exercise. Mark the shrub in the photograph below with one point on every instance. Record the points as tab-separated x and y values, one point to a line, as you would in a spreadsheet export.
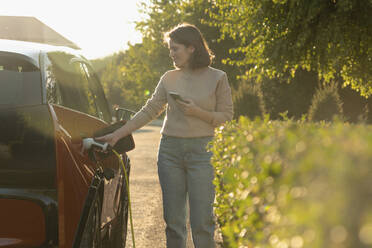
326	104
248	101
294	97
293	184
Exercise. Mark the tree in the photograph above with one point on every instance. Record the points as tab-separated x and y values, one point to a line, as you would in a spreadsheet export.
277	37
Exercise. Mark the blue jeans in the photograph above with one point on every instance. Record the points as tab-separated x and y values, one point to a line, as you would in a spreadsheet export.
184	169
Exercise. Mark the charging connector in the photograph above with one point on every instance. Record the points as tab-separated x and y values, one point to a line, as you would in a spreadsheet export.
89	143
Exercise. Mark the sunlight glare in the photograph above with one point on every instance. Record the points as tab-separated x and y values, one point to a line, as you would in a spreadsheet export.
100	28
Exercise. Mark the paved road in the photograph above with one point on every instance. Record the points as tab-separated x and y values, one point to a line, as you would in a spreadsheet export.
145	191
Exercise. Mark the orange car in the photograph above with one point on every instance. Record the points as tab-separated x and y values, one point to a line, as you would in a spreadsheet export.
52	193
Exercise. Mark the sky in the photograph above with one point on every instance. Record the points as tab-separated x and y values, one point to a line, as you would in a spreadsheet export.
99	27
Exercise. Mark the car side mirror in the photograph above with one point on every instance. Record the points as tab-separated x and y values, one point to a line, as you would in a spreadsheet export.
123	114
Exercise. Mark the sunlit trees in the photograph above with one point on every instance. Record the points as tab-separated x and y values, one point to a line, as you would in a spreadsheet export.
276	37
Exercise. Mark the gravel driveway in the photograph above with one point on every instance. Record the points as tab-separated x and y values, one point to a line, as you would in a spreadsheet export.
145	190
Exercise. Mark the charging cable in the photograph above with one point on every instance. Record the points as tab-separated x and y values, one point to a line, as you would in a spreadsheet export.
129	201
89	143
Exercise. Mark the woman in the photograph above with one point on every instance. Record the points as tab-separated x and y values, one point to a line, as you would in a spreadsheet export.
183	162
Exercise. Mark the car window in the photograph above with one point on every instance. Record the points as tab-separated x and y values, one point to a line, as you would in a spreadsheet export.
68	85
99	96
20	81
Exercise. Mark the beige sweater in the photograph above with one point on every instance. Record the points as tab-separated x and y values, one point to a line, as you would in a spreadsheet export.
207	87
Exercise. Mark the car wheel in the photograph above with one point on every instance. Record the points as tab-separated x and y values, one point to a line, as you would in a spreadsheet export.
92	232
121	227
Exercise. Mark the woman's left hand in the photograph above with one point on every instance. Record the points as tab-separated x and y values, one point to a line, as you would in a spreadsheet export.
189	107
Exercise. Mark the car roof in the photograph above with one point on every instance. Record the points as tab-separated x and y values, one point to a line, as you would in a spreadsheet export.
31	50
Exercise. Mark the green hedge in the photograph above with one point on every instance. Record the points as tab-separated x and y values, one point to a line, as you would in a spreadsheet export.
293	184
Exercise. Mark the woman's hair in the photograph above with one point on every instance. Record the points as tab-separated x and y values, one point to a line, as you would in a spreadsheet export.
189	35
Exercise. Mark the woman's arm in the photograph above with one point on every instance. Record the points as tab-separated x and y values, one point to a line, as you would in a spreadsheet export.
153	107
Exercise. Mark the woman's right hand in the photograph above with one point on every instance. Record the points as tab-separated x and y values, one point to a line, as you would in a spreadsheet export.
111	139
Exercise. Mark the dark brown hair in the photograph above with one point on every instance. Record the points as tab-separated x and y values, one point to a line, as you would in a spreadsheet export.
189	35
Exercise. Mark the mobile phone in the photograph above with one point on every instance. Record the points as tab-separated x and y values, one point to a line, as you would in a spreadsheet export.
176	96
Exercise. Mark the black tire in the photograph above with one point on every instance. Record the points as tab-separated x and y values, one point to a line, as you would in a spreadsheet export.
92	233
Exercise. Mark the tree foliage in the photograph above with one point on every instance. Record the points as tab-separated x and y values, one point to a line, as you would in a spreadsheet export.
276	37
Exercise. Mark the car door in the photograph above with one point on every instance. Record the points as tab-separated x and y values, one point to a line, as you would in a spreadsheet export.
79	109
